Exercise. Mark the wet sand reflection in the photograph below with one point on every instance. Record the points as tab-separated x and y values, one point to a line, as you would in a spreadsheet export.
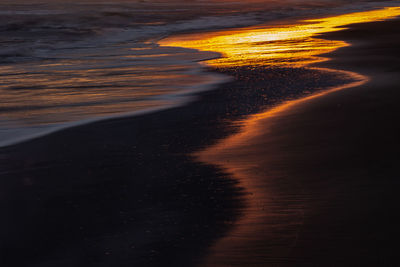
268	229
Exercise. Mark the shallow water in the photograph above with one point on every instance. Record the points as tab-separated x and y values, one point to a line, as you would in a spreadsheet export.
66	63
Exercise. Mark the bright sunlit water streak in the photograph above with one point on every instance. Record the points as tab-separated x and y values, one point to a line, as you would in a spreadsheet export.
288	45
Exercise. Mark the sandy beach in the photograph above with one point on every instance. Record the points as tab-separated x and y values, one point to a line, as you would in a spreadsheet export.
172	189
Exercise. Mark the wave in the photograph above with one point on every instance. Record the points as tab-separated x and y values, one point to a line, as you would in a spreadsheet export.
64	64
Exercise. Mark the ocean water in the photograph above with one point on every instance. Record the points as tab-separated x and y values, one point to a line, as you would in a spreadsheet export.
64	63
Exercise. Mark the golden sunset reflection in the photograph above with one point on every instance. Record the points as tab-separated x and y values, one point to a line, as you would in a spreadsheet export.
293	45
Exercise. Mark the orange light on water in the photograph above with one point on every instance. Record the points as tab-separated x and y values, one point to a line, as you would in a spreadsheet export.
288	45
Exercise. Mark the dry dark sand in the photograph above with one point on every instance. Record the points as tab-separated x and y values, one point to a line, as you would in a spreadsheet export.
126	192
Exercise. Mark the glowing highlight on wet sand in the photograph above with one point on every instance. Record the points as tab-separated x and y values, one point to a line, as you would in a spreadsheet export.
279	46
287	45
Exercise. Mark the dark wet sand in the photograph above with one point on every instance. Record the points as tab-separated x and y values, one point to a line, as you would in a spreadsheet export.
125	192
323	174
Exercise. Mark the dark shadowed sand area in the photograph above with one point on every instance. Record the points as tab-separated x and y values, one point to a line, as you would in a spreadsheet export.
322	173
128	192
